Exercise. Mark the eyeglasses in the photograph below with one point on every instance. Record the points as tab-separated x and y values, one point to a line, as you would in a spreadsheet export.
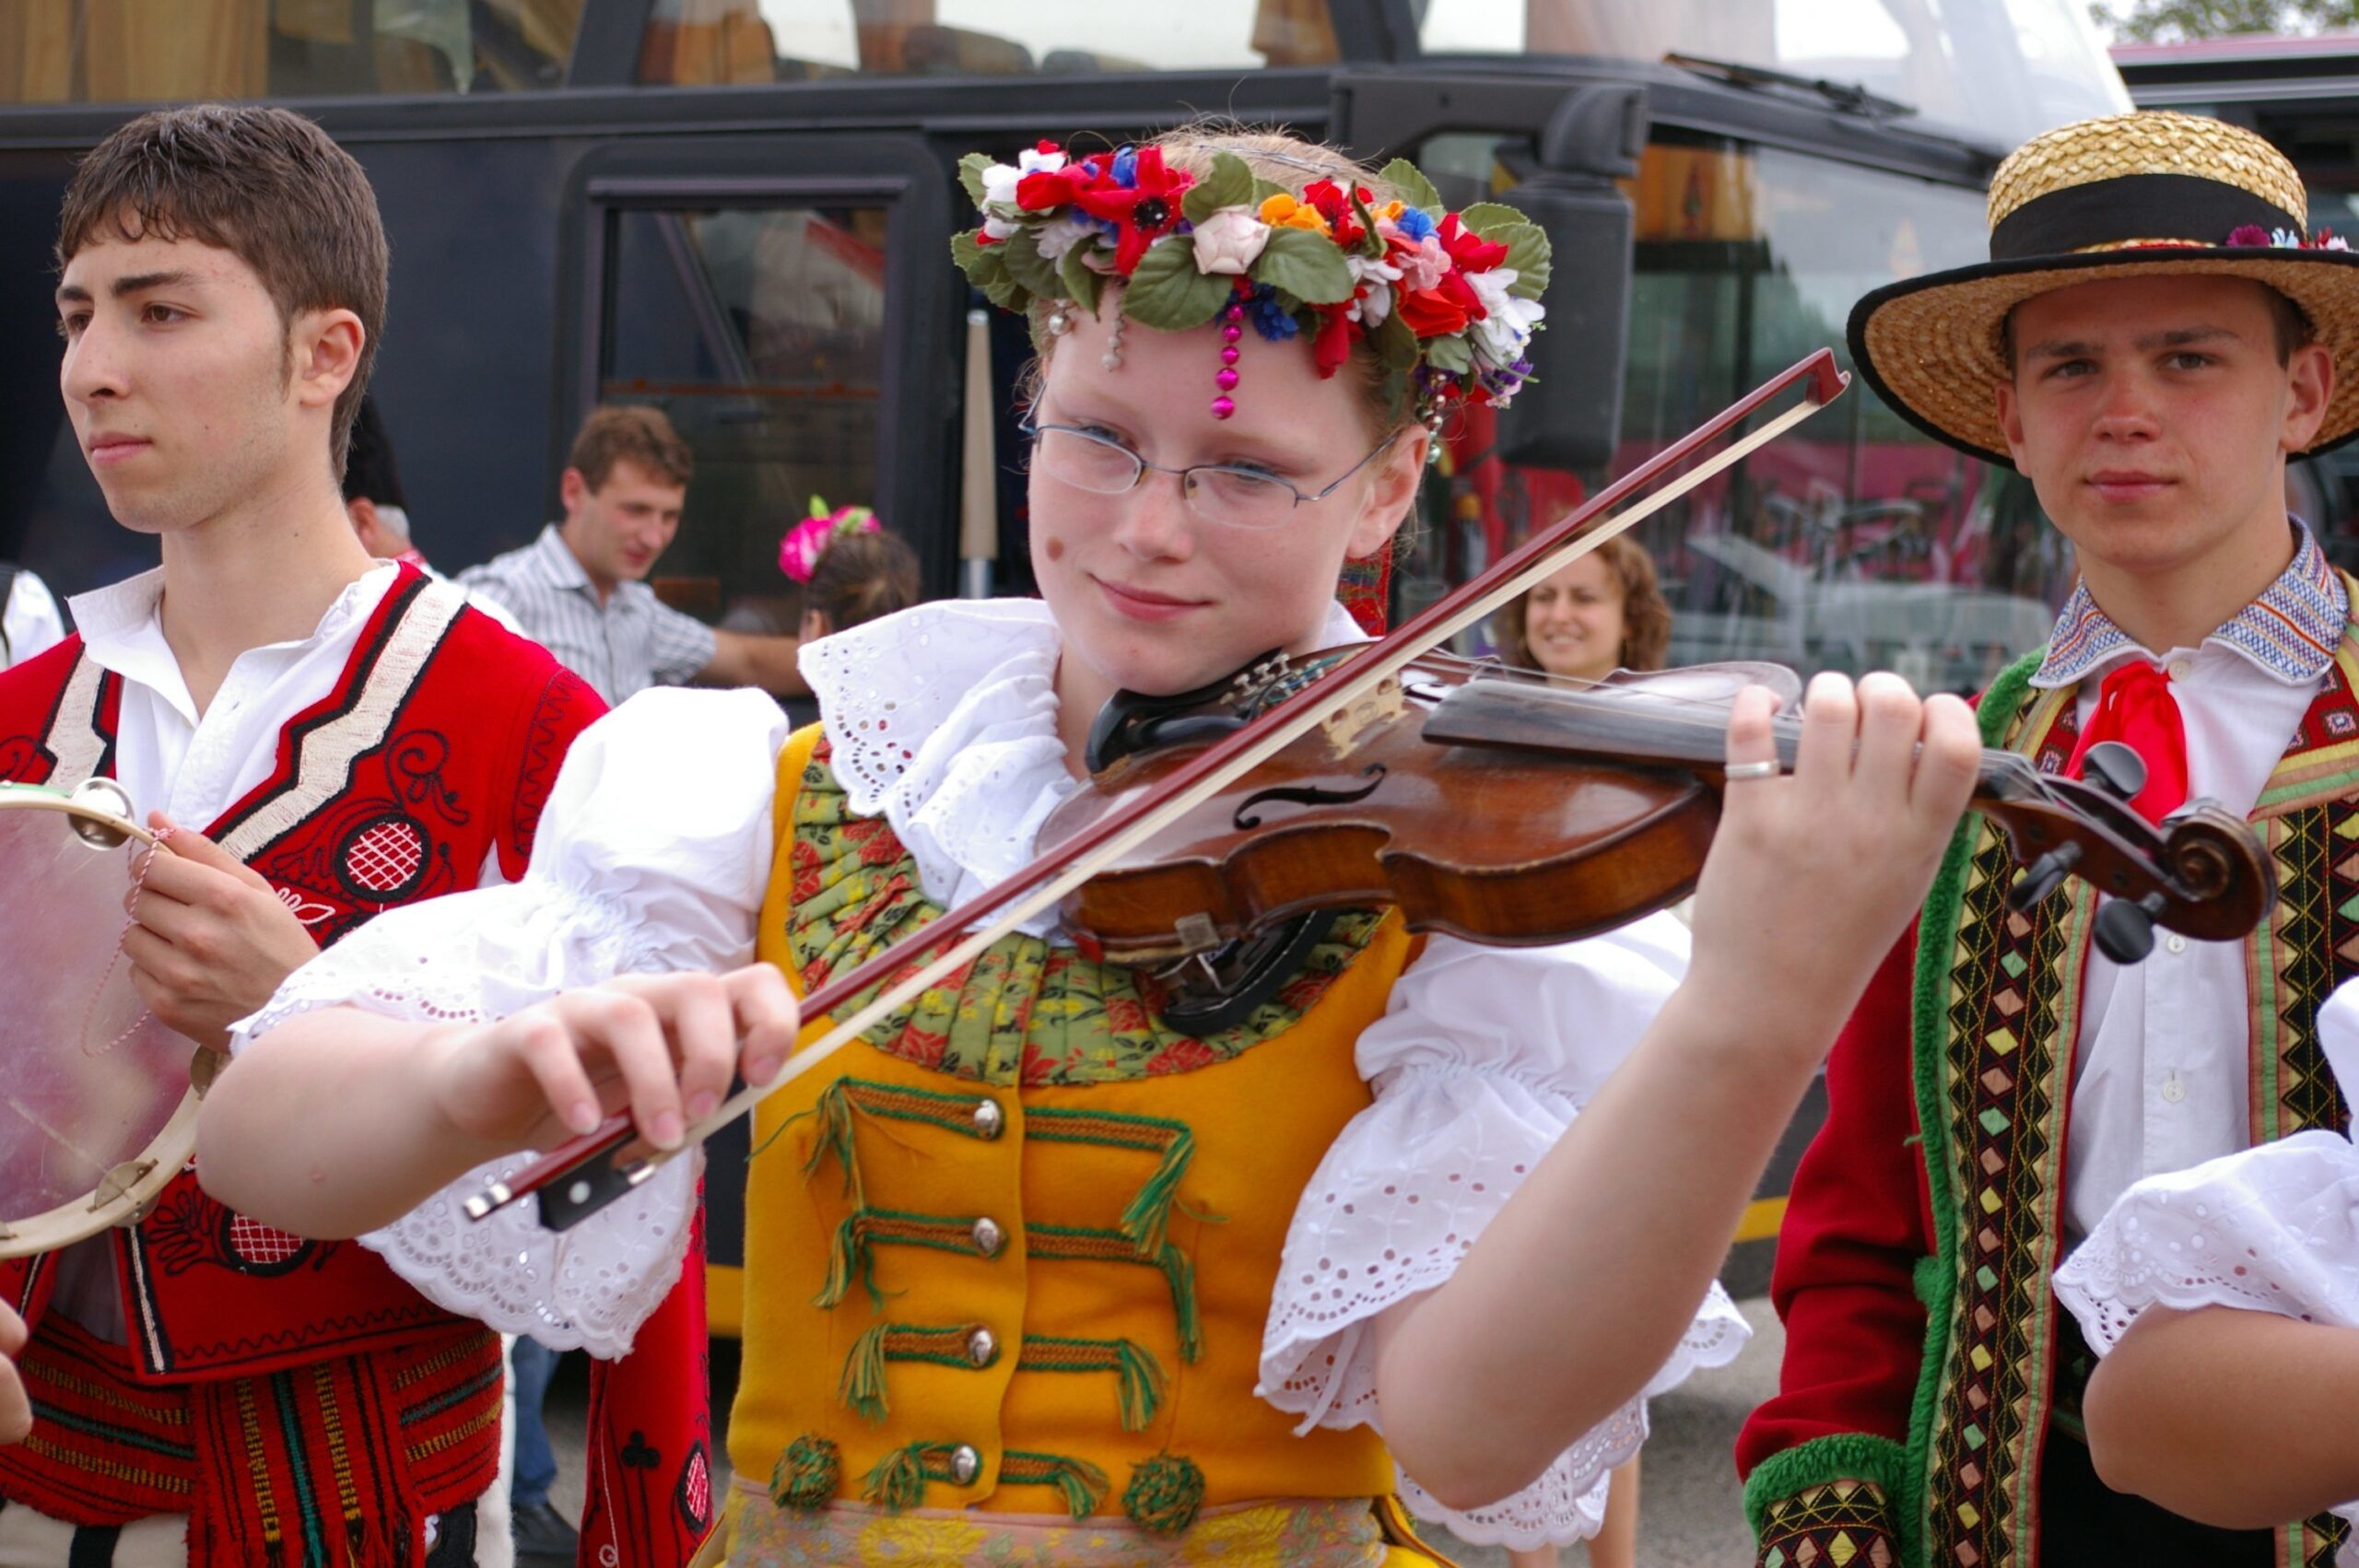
1215	492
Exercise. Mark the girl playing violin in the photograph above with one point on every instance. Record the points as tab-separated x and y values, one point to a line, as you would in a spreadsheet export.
1031	1274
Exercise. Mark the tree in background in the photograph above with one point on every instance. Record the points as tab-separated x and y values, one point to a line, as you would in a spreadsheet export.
2176	21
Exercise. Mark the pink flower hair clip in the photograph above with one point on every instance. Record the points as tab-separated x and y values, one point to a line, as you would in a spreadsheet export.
799	552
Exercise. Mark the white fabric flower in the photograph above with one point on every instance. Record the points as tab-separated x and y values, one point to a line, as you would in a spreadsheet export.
1506	328
1229	240
1060	234
999	227
2284	239
1001	180
1376	276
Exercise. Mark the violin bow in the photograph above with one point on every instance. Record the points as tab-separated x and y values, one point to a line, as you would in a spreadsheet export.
585	1174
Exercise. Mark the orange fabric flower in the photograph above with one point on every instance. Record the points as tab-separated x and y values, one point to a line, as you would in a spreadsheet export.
1283	211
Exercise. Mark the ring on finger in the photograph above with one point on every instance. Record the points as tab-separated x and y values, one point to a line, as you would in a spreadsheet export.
1738	770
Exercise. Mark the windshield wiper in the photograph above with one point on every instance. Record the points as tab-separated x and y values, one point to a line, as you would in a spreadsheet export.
1849	97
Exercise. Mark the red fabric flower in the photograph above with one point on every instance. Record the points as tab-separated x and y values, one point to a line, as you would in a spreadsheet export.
1468	249
1334	342
1046	189
1433	312
1342	224
1145	212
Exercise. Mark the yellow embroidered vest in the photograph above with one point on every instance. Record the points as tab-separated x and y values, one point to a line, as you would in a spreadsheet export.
1014	1249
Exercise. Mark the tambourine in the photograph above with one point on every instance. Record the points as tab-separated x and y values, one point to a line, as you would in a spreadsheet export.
97	1097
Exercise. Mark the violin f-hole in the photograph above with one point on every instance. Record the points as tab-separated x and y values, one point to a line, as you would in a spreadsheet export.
1246	817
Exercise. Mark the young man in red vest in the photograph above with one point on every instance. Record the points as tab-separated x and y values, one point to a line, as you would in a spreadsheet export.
2157	333
322	736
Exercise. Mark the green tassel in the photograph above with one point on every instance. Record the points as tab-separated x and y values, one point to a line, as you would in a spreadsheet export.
899	1480
1083	1484
834	1136
1182	1276
863	1387
1164	1494
850	1256
806	1474
1142	1384
1147	1218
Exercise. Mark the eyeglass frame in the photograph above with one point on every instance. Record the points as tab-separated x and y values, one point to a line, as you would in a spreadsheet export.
1032	429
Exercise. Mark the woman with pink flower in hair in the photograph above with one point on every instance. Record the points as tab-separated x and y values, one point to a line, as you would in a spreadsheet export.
851	572
1072	1261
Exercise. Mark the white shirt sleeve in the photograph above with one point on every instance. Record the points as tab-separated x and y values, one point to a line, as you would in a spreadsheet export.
31	619
651	857
1483	1059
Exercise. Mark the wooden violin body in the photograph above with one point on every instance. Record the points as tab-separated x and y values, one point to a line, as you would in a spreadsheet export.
1496	805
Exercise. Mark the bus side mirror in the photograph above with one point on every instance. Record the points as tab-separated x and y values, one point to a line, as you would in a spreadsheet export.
1571	415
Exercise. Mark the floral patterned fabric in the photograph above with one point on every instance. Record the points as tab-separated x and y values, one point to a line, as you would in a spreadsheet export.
1025	1011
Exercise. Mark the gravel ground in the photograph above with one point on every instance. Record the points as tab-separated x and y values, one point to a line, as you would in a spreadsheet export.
1691	1516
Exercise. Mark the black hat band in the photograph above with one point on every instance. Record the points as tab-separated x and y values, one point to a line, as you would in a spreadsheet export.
2133	207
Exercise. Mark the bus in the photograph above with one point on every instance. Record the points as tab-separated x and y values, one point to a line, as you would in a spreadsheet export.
739	211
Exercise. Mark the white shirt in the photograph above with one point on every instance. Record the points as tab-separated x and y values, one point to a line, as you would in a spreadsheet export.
655	854
29	620
2162	1068
621	645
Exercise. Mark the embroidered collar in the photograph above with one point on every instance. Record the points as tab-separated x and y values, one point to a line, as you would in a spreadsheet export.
2290	632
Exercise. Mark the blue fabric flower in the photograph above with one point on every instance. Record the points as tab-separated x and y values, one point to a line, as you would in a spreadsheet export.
1270	317
1414	223
1126	167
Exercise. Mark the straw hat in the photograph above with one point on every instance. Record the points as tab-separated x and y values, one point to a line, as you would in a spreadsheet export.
2127	194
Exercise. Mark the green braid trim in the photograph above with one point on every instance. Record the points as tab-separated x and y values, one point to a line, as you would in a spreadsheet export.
1936	1277
1845	1456
863	1384
806	1475
1147	1219
835	1108
1139	1376
854	1253
898	1480
1077	1243
1083	1483
1164	1494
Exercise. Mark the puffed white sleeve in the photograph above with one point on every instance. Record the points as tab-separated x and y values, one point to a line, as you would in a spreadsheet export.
651	857
2272	1229
1483	1059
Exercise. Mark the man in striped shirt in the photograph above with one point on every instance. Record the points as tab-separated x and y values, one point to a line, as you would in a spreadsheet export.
577	589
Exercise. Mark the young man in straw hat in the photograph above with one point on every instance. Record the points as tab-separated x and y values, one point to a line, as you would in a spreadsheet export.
2154	335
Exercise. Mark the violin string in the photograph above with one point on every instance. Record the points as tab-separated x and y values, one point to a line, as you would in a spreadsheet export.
1693	710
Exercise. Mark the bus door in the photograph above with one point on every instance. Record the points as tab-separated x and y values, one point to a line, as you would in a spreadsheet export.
787	302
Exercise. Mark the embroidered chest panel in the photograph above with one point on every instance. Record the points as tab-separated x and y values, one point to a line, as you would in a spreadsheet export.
1994	1104
1025	1011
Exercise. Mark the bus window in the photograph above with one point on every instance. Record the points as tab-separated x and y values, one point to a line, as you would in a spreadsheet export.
1855	543
759	331
140	50
736	41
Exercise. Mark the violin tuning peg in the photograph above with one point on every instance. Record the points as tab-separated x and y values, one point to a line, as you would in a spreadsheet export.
2116	768
2125	931
2042	877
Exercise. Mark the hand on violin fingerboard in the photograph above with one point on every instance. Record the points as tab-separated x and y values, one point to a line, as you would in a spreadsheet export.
1814	874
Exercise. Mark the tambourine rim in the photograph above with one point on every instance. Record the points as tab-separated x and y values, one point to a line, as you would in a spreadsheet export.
78	1219
43	797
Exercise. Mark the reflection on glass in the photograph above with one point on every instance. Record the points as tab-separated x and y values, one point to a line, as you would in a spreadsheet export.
1856	542
759	332
703	41
1996	72
141	51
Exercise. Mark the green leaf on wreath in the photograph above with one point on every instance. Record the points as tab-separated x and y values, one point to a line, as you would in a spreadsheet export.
1081	280
1451	353
1410	183
1486	217
1169	294
970	173
1027	266
1528	250
1264	189
1304	265
1371	243
1396	343
1230	184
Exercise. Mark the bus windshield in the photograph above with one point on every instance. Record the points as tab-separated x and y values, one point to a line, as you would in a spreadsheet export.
1997	70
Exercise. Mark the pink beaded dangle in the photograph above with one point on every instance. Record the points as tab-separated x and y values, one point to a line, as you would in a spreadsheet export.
1232	328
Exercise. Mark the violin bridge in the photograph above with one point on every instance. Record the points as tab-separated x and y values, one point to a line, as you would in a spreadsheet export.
1344	727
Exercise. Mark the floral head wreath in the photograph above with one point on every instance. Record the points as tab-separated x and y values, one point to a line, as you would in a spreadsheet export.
1449	301
799	552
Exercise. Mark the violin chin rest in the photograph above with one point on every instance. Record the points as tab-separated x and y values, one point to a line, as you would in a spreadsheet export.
1219	989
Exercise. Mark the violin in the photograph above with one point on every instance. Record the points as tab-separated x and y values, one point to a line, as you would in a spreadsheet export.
1510	808
1209	775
